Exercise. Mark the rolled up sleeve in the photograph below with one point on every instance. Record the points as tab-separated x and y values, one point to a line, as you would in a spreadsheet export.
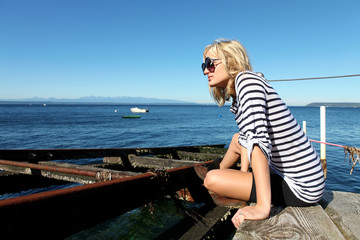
251	115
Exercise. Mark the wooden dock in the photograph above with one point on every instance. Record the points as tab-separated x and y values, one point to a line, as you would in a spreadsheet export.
337	216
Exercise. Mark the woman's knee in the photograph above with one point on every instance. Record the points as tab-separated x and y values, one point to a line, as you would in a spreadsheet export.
210	179
235	145
235	138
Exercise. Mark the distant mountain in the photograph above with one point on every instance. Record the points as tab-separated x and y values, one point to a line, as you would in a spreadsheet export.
334	104
96	99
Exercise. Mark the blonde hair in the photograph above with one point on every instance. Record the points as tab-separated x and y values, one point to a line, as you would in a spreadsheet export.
235	59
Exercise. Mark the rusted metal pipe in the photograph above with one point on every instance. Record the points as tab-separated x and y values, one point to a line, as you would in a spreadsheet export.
98	175
49	168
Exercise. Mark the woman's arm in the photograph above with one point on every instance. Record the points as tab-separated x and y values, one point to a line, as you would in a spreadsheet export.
232	154
261	173
251	118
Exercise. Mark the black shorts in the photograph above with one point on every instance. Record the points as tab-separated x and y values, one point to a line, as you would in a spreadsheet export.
281	194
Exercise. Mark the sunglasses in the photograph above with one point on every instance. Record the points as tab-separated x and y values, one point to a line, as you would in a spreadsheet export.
209	64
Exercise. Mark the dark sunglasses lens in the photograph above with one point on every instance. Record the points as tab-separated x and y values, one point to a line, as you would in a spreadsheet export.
209	65
203	66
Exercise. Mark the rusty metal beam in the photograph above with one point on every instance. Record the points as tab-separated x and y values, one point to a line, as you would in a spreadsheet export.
63	171
98	175
60	213
48	168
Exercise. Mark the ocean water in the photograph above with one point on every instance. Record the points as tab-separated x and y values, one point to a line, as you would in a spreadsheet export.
102	126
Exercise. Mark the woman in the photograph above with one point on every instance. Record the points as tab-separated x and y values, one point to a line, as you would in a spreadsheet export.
286	169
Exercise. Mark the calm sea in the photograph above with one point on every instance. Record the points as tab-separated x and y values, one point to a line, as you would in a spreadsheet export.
102	126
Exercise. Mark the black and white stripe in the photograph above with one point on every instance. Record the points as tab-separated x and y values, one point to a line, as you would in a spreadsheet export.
265	120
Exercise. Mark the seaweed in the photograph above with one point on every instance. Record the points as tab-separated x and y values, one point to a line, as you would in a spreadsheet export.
353	155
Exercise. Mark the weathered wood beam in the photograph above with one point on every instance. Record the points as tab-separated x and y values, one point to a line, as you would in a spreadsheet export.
344	210
193	156
158	163
291	223
211	226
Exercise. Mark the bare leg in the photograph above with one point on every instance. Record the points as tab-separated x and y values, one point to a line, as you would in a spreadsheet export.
229	183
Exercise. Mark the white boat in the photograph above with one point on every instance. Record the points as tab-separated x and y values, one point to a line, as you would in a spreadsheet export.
139	110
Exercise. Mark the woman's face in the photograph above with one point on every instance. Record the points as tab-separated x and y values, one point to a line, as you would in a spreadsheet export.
219	77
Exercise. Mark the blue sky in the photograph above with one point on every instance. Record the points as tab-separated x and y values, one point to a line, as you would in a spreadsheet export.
77	48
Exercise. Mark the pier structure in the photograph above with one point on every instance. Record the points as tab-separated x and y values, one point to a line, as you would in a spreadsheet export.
336	216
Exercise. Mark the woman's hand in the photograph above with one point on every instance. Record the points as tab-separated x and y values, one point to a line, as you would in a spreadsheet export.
251	213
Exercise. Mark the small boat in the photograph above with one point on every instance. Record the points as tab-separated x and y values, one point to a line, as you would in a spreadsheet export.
131	116
139	110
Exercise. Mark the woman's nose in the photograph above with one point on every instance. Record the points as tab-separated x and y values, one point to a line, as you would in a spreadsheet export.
206	71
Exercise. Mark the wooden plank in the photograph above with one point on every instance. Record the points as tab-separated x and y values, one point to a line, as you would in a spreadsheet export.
204	220
220	149
291	223
158	163
227	202
344	209
192	156
200	230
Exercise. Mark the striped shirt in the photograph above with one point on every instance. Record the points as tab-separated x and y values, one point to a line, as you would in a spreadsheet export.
264	120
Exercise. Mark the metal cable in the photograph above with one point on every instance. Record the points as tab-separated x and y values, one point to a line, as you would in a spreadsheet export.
314	78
